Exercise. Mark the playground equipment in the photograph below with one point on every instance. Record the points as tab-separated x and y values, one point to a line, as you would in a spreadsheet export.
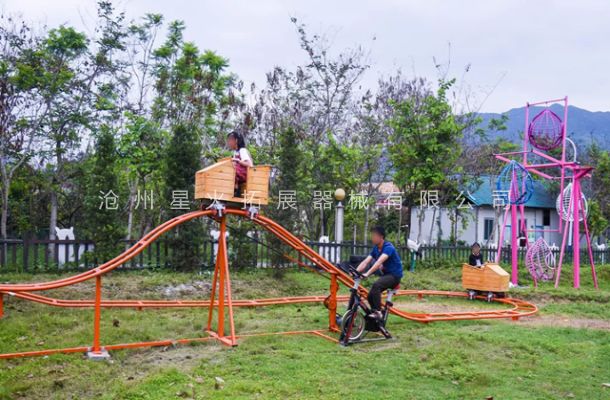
221	300
220	317
540	261
356	321
515	188
515	184
217	183
489	280
546	132
563	205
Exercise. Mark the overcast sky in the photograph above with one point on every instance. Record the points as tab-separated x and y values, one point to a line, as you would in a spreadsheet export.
523	50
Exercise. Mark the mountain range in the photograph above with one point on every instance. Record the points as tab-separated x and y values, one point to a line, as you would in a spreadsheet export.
584	127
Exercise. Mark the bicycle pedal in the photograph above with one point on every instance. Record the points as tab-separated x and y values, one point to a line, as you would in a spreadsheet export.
385	333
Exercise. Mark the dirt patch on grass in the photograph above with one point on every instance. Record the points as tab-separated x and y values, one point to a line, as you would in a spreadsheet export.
562	321
183	357
186	289
137	365
426	306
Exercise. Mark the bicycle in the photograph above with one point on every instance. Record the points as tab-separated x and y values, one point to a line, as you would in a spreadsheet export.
356	322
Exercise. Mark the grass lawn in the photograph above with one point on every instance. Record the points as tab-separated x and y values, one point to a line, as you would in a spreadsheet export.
564	352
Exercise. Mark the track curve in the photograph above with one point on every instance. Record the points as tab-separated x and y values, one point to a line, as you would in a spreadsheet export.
108	266
25	291
519	308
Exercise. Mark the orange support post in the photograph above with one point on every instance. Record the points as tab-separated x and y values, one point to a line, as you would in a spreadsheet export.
221	275
212	297
98	314
332	304
232	338
220	327
1	305
97	353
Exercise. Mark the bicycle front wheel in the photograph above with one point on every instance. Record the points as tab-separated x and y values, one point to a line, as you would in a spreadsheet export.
357	325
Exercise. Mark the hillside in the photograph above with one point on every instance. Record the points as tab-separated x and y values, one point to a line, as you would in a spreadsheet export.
584	126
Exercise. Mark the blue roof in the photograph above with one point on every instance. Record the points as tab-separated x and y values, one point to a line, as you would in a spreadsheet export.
482	195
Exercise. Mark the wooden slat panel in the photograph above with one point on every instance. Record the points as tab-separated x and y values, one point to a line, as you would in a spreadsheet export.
216	189
222	169
218	179
204	194
217	175
256	195
215	182
490	277
258	187
261	168
256	192
221	164
213	188
220	183
258	179
254	201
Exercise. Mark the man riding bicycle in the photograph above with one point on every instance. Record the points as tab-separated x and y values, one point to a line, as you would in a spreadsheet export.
388	262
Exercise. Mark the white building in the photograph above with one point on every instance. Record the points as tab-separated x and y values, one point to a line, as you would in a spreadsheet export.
479	221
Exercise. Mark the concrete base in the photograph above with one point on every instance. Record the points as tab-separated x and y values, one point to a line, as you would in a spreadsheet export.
102	355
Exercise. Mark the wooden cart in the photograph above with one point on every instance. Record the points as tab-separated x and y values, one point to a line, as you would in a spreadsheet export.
217	182
490	280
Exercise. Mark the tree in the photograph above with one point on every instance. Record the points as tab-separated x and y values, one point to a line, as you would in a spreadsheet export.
194	102
316	101
290	173
27	193
426	146
22	108
374	110
141	148
599	208
59	89
598	222
105	227
181	164
142	141
192	88
140	50
79	97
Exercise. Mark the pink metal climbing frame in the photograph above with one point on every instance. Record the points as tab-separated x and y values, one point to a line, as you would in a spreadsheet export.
546	132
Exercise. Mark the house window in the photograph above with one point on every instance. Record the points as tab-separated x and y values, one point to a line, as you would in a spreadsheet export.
546	217
488	228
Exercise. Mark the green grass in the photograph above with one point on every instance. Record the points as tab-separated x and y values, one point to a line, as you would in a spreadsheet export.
532	359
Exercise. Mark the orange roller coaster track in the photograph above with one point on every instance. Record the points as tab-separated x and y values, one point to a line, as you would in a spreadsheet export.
221	302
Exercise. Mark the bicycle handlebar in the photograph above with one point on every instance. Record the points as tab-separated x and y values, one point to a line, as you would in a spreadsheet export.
355	273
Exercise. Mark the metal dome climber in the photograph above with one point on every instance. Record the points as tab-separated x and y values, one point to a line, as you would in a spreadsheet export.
564	202
545	132
515	184
540	261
